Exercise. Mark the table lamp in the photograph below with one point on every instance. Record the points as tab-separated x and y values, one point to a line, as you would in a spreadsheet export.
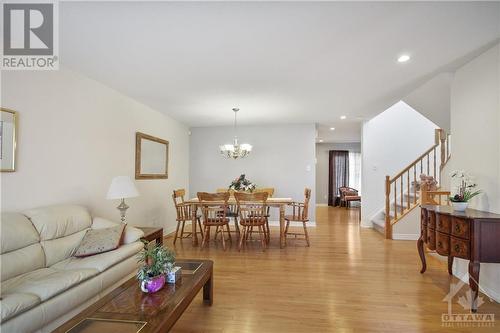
122	187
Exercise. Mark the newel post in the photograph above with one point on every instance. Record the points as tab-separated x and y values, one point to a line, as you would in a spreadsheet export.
443	138
388	225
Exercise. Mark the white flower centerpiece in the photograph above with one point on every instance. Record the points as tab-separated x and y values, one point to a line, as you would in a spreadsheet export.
465	190
241	184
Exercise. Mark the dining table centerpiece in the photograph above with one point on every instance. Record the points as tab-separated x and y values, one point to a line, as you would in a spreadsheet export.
241	184
157	261
465	190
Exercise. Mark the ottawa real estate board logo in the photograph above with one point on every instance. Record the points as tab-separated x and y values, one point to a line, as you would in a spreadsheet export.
30	36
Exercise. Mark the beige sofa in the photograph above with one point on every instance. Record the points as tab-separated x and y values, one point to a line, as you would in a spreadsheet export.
42	284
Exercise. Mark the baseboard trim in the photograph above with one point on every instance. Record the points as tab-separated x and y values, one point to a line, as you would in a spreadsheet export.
490	293
405	236
292	224
321	205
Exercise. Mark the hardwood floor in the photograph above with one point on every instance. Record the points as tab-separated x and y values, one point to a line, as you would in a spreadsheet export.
350	280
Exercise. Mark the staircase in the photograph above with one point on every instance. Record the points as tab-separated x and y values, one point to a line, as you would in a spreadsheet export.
401	194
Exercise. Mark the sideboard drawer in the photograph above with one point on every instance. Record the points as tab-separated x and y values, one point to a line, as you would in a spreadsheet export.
442	243
423	216
460	228
423	231
459	248
443	223
431	220
431	239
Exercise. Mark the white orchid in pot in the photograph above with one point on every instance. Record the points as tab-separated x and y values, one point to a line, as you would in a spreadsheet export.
465	190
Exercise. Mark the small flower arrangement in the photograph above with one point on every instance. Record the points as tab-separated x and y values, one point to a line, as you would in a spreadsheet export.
242	184
157	262
465	187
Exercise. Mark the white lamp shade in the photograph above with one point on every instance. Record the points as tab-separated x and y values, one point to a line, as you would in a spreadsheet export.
122	187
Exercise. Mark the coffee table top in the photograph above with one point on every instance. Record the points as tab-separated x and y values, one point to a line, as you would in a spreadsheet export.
128	310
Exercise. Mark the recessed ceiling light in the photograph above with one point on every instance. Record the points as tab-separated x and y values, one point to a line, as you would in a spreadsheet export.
332	128
404	58
320	140
343	117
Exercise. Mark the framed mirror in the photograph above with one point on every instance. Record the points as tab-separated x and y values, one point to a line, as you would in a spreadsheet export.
151	157
8	139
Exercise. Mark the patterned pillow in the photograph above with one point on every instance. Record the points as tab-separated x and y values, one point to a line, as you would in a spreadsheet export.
98	241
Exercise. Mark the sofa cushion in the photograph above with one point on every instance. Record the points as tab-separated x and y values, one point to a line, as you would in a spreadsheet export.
46	282
61	248
102	261
102	240
20	261
18	225
59	221
130	235
16	303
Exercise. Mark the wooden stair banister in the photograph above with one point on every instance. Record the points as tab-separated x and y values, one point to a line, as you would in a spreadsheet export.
423	162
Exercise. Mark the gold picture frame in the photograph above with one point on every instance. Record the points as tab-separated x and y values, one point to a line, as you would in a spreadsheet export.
151	157
8	139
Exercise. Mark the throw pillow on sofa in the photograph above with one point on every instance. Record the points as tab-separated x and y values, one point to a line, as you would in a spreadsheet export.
102	240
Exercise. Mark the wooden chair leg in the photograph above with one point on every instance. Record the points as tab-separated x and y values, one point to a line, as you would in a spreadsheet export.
242	237
199	225
287	226
182	229
306	234
268	232
229	233
264	230
222	236
216	233
237	227
176	231
206	237
262	241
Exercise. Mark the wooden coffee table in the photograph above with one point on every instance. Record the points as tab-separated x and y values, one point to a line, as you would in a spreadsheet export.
128	310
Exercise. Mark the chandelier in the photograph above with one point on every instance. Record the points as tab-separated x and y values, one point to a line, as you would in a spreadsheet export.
235	150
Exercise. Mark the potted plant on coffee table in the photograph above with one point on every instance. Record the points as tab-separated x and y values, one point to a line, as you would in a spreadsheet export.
465	190
157	261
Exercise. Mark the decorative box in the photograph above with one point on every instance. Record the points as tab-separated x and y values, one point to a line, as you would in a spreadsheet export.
174	275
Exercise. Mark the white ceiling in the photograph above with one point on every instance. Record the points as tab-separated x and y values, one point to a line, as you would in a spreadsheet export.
279	62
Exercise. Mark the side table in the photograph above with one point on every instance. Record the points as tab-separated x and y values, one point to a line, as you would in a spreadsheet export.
152	234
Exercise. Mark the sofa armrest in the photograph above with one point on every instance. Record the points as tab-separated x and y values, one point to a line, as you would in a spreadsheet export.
130	235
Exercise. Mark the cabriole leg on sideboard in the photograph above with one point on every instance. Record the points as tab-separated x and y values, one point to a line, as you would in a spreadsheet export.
420	247
474	283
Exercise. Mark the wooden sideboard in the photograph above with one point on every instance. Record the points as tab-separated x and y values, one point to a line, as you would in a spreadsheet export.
473	235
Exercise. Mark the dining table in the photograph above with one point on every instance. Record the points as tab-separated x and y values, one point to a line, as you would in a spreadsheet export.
280	203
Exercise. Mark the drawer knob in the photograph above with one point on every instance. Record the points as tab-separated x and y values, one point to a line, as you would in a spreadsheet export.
457	248
440	244
457	227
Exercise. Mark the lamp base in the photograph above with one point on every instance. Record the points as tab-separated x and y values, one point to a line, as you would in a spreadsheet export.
122	207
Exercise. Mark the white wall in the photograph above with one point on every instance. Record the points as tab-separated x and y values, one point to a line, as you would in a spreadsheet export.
75	135
282	157
390	141
475	128
432	99
322	163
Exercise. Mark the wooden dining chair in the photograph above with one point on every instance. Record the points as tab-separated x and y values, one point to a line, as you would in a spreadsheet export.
184	214
300	214
231	213
214	208
252	208
270	193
